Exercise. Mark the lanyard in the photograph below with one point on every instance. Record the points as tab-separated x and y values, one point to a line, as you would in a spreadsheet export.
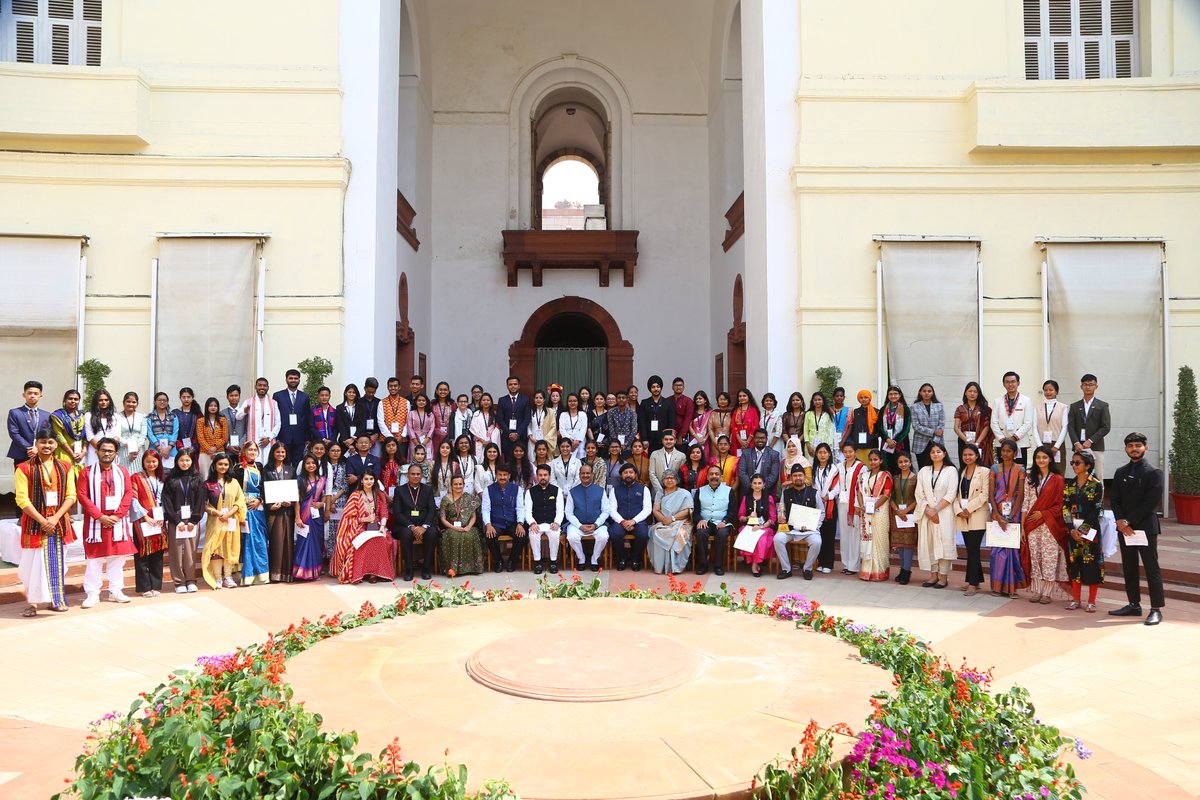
1050	406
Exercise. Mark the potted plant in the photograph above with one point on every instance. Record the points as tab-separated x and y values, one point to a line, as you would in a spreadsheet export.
315	370
1185	451
828	378
93	372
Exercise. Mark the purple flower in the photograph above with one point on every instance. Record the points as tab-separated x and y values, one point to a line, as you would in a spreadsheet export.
1082	751
109	717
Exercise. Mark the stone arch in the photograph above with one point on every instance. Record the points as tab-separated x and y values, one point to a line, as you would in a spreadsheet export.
522	354
731	55
566	71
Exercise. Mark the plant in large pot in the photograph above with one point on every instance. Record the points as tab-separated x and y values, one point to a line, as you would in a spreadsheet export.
1185	451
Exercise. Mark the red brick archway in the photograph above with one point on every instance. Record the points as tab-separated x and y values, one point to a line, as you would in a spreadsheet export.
522	354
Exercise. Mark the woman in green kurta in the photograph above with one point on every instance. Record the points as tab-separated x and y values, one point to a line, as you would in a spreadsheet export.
1083	502
462	549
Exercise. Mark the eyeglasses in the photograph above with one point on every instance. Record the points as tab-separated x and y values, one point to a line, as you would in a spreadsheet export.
1076	463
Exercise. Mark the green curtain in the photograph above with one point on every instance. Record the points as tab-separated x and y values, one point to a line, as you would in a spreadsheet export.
573	367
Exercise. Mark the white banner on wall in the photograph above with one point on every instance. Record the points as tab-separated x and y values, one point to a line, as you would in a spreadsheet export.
204	329
931	307
1104	304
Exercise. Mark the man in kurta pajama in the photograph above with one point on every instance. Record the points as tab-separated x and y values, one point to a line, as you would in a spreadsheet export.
105	495
45	491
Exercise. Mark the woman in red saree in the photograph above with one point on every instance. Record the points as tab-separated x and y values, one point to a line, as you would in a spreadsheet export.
1043	525
366	511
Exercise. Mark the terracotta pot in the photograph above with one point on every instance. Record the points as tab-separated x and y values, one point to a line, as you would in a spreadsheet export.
1187	508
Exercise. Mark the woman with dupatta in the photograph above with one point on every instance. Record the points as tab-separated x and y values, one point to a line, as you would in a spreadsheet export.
226	509
366	511
1043	524
462	548
310	522
874	519
1009	566
148	532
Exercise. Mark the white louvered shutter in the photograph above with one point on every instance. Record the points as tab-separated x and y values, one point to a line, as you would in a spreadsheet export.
51	31
1080	39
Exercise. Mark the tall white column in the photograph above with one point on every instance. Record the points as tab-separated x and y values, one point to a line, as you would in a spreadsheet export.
771	130
369	59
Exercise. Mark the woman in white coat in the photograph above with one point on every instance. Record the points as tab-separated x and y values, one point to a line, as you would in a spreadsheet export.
847	479
573	426
937	486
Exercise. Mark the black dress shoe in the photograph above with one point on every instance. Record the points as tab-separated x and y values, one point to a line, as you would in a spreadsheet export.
621	565
636	566
499	566
718	570
512	565
808	574
784	573
425	575
701	570
553	567
537	568
1154	617
595	567
408	574
928	584
1130	610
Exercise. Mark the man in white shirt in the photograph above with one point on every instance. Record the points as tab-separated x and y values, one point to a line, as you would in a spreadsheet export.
543	517
586	511
667	458
629	507
263	419
1012	417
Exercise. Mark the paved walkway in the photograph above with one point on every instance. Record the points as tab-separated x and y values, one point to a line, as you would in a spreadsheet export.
1127	690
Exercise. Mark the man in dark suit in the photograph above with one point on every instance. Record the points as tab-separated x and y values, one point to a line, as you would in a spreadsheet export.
656	415
758	460
1088	422
295	412
414	513
1136	490
24	422
513	415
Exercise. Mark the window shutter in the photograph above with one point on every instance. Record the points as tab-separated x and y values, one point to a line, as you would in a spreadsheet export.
25	8
60	44
1033	67
1091	18
1091	59
1060	18
1062	61
1123	52
1033	17
92	11
62	9
25	41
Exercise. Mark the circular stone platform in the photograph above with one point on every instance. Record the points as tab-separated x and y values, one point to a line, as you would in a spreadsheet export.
603	698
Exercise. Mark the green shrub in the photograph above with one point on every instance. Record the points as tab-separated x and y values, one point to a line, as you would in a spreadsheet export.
315	370
1185	442
829	378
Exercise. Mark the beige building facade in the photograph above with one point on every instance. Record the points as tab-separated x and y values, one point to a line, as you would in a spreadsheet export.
895	189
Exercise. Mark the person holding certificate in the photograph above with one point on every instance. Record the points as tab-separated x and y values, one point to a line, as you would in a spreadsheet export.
225	505
1043	525
903	533
971	513
801	510
1009	565
363	549
936	487
1136	490
873	497
310	521
148	531
757	518
281	493
183	500
1083	502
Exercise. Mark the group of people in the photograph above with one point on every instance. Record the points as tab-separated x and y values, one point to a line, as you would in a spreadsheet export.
286	487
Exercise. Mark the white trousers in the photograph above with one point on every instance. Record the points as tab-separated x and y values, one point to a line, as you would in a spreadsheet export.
811	538
848	534
575	539
552	539
98	568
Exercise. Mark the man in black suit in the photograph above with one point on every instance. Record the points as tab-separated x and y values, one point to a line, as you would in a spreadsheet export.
414	513
295	416
513	415
24	422
1088	422
1136	489
656	415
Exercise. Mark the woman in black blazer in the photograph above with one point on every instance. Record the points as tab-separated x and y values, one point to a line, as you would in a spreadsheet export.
351	418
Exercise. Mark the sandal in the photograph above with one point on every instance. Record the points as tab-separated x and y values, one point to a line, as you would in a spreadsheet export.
1045	600
1071	606
30	611
1013	596
1037	598
1091	608
928	584
941	585
59	609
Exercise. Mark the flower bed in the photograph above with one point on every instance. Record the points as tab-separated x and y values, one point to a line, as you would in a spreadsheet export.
230	728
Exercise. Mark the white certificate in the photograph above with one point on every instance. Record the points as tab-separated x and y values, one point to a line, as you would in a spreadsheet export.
188	532
280	492
365	537
1089	536
301	530
1010	538
802	517
747	540
905	522
1138	539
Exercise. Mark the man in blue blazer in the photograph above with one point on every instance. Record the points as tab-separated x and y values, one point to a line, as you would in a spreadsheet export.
513	415
295	417
24	422
759	460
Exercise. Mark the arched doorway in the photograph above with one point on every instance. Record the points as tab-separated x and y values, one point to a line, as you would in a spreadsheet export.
575	342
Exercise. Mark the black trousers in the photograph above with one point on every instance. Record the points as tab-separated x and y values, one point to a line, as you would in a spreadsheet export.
828	535
974	541
147	571
429	543
706	550
495	546
1129	566
616	540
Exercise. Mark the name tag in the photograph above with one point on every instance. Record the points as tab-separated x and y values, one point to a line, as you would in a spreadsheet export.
1010	424
187	442
370	424
131	445
654	425
111	502
414	513
1006	508
869	505
512	424
395	427
970	435
51	498
234	440
292	419
1047	437
315	513
862	438
353	430
621	438
185	512
844	496
391	492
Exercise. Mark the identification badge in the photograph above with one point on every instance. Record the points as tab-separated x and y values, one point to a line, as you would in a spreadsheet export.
844	497
77	447
370	424
315	513
234	440
512	424
353	430
600	438
395	427
1047	437
654	426
742	435
51	497
131	445
292	419
185	512
414	513
1010	424
111	502
970	435
862	438
621	438
187	442
391	492
1006	508
869	505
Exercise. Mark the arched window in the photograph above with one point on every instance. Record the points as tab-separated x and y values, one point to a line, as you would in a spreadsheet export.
570	190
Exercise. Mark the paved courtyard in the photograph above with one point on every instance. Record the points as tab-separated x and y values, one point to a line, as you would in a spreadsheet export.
1127	690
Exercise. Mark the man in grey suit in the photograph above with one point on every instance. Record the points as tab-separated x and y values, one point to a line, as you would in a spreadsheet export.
759	460
1088	422
664	459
